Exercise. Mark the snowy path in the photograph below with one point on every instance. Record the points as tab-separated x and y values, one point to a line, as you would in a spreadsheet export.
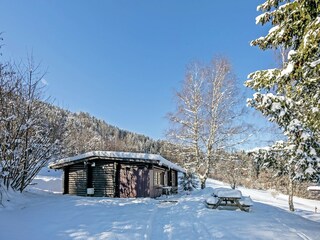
177	221
54	216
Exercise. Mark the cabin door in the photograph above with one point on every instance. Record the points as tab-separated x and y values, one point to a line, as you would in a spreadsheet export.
142	175
134	181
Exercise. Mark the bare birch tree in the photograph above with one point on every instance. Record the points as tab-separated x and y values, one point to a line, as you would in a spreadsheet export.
205	114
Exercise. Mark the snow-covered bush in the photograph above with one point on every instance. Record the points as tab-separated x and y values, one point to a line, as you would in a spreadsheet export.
189	182
29	132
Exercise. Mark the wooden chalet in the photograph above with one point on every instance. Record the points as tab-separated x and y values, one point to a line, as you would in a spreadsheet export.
117	174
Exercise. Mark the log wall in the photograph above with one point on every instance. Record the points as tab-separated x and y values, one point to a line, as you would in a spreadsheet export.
77	180
117	179
103	175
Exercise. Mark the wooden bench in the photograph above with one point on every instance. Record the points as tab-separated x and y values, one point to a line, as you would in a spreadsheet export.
246	203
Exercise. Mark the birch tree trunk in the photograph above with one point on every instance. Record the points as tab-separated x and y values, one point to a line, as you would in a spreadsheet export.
291	192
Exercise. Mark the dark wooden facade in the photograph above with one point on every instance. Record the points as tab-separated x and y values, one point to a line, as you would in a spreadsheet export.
117	178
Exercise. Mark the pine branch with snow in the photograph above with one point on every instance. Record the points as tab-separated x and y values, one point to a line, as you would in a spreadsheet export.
290	95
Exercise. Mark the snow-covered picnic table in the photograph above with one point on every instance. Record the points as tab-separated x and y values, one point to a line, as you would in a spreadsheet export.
229	197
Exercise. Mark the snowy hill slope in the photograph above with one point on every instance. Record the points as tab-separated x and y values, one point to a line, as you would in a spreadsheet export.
41	214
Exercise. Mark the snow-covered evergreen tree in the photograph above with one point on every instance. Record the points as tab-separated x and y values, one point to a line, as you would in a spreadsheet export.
189	181
290	96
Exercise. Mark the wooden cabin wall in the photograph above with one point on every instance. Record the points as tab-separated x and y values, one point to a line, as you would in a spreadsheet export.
103	178
117	179
77	182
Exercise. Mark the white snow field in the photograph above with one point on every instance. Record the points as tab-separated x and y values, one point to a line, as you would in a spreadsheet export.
42	213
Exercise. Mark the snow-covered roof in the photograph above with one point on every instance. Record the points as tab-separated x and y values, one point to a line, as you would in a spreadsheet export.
119	156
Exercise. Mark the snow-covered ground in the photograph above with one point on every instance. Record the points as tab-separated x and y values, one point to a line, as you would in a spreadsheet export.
43	213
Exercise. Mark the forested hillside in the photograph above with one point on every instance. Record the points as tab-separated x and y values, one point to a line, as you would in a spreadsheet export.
83	133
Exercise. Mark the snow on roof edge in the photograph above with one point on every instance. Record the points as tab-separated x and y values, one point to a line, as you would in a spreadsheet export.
125	155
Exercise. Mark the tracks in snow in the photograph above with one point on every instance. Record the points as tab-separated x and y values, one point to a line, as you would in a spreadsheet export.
162	223
150	223
298	233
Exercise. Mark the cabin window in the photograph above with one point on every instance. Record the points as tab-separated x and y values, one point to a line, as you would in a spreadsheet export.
158	178
162	178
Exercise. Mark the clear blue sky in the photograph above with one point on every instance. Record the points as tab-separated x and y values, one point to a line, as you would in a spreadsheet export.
121	60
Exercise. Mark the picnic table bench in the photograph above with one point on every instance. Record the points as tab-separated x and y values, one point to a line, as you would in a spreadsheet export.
229	197
167	190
